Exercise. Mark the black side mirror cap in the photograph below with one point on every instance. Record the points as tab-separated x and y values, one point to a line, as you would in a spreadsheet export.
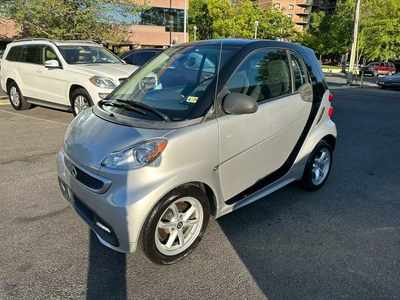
238	104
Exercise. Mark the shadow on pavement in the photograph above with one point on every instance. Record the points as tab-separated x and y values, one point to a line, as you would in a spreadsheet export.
106	272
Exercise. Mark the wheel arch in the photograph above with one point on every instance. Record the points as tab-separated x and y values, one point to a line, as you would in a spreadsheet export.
331	140
73	88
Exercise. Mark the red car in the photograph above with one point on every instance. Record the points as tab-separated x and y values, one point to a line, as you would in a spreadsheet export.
382	68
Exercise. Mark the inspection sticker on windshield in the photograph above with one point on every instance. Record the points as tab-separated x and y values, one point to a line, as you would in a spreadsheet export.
192	99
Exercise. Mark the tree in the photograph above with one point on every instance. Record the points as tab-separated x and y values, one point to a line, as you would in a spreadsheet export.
318	37
222	19
72	19
380	34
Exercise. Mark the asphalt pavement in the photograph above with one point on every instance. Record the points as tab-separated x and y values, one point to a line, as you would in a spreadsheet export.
340	242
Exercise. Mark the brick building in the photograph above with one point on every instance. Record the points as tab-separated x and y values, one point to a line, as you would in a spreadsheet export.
300	10
151	28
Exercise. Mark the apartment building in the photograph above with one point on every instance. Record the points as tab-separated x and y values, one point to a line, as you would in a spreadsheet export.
300	10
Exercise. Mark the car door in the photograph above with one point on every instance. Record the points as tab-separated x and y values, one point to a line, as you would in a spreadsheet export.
27	69
52	87
252	146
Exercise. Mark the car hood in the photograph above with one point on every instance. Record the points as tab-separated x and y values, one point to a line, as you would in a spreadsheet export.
89	139
107	70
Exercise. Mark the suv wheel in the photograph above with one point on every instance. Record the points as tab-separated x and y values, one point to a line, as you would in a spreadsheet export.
176	225
17	101
318	166
80	100
375	73
389	73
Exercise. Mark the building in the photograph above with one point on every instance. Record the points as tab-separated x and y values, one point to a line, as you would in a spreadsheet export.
163	24
300	10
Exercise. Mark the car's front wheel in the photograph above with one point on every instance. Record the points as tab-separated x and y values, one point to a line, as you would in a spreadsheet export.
375	73
80	100
176	225
17	100
389	73
318	166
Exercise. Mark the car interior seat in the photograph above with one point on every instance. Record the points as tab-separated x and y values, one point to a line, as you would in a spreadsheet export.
278	78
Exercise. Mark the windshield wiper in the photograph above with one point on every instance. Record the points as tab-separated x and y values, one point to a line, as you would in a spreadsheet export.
122	105
146	107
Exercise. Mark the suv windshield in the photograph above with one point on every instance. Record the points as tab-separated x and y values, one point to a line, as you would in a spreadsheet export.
87	54
171	86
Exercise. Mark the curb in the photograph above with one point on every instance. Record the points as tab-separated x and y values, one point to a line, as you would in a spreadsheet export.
4	100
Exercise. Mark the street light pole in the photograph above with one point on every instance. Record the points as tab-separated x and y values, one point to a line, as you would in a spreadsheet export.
354	45
194	32
255	30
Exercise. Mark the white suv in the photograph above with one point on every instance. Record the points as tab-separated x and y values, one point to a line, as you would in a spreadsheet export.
66	75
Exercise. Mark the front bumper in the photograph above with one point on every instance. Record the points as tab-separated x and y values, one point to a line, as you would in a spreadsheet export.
108	221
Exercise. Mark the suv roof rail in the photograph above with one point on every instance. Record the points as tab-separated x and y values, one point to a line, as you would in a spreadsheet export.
54	41
33	39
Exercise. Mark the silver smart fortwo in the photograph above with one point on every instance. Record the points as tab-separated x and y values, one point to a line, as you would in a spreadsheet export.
202	129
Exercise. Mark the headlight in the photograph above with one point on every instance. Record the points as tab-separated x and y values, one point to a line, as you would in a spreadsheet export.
137	156
103	82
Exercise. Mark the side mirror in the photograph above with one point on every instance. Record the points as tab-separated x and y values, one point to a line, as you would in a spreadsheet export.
238	104
52	63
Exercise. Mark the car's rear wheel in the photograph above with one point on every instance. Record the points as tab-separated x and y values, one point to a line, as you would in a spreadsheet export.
318	166
389	73
375	73
17	100
176	225
80	100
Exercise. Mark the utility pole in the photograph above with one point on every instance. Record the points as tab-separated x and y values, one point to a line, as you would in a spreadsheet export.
354	45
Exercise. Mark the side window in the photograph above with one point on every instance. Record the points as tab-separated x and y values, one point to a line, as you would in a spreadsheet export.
130	58
263	75
299	70
31	54
14	54
142	57
48	53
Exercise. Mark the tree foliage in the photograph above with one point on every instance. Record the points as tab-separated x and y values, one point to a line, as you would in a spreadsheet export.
380	31
222	19
71	19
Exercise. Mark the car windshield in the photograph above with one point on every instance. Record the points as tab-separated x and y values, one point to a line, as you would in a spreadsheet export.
172	87
87	54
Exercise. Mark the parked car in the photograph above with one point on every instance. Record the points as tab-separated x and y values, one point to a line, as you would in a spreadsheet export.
139	57
379	68
389	81
150	163
67	75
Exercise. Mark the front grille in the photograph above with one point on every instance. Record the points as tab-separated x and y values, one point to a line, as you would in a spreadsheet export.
82	176
90	217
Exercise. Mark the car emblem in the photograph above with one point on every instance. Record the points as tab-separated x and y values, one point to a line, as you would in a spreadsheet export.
74	172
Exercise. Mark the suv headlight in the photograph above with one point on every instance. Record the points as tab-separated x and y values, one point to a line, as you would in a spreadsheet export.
103	82
137	156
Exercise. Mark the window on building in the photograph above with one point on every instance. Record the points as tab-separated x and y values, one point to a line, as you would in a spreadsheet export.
290	15
291	7
277	5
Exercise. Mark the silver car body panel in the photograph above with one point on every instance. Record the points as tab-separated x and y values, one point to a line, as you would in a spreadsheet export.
225	154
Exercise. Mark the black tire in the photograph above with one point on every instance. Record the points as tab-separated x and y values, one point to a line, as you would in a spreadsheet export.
17	100
80	100
318	166
181	215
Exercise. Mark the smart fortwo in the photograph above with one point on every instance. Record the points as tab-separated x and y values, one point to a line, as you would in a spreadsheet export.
202	129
